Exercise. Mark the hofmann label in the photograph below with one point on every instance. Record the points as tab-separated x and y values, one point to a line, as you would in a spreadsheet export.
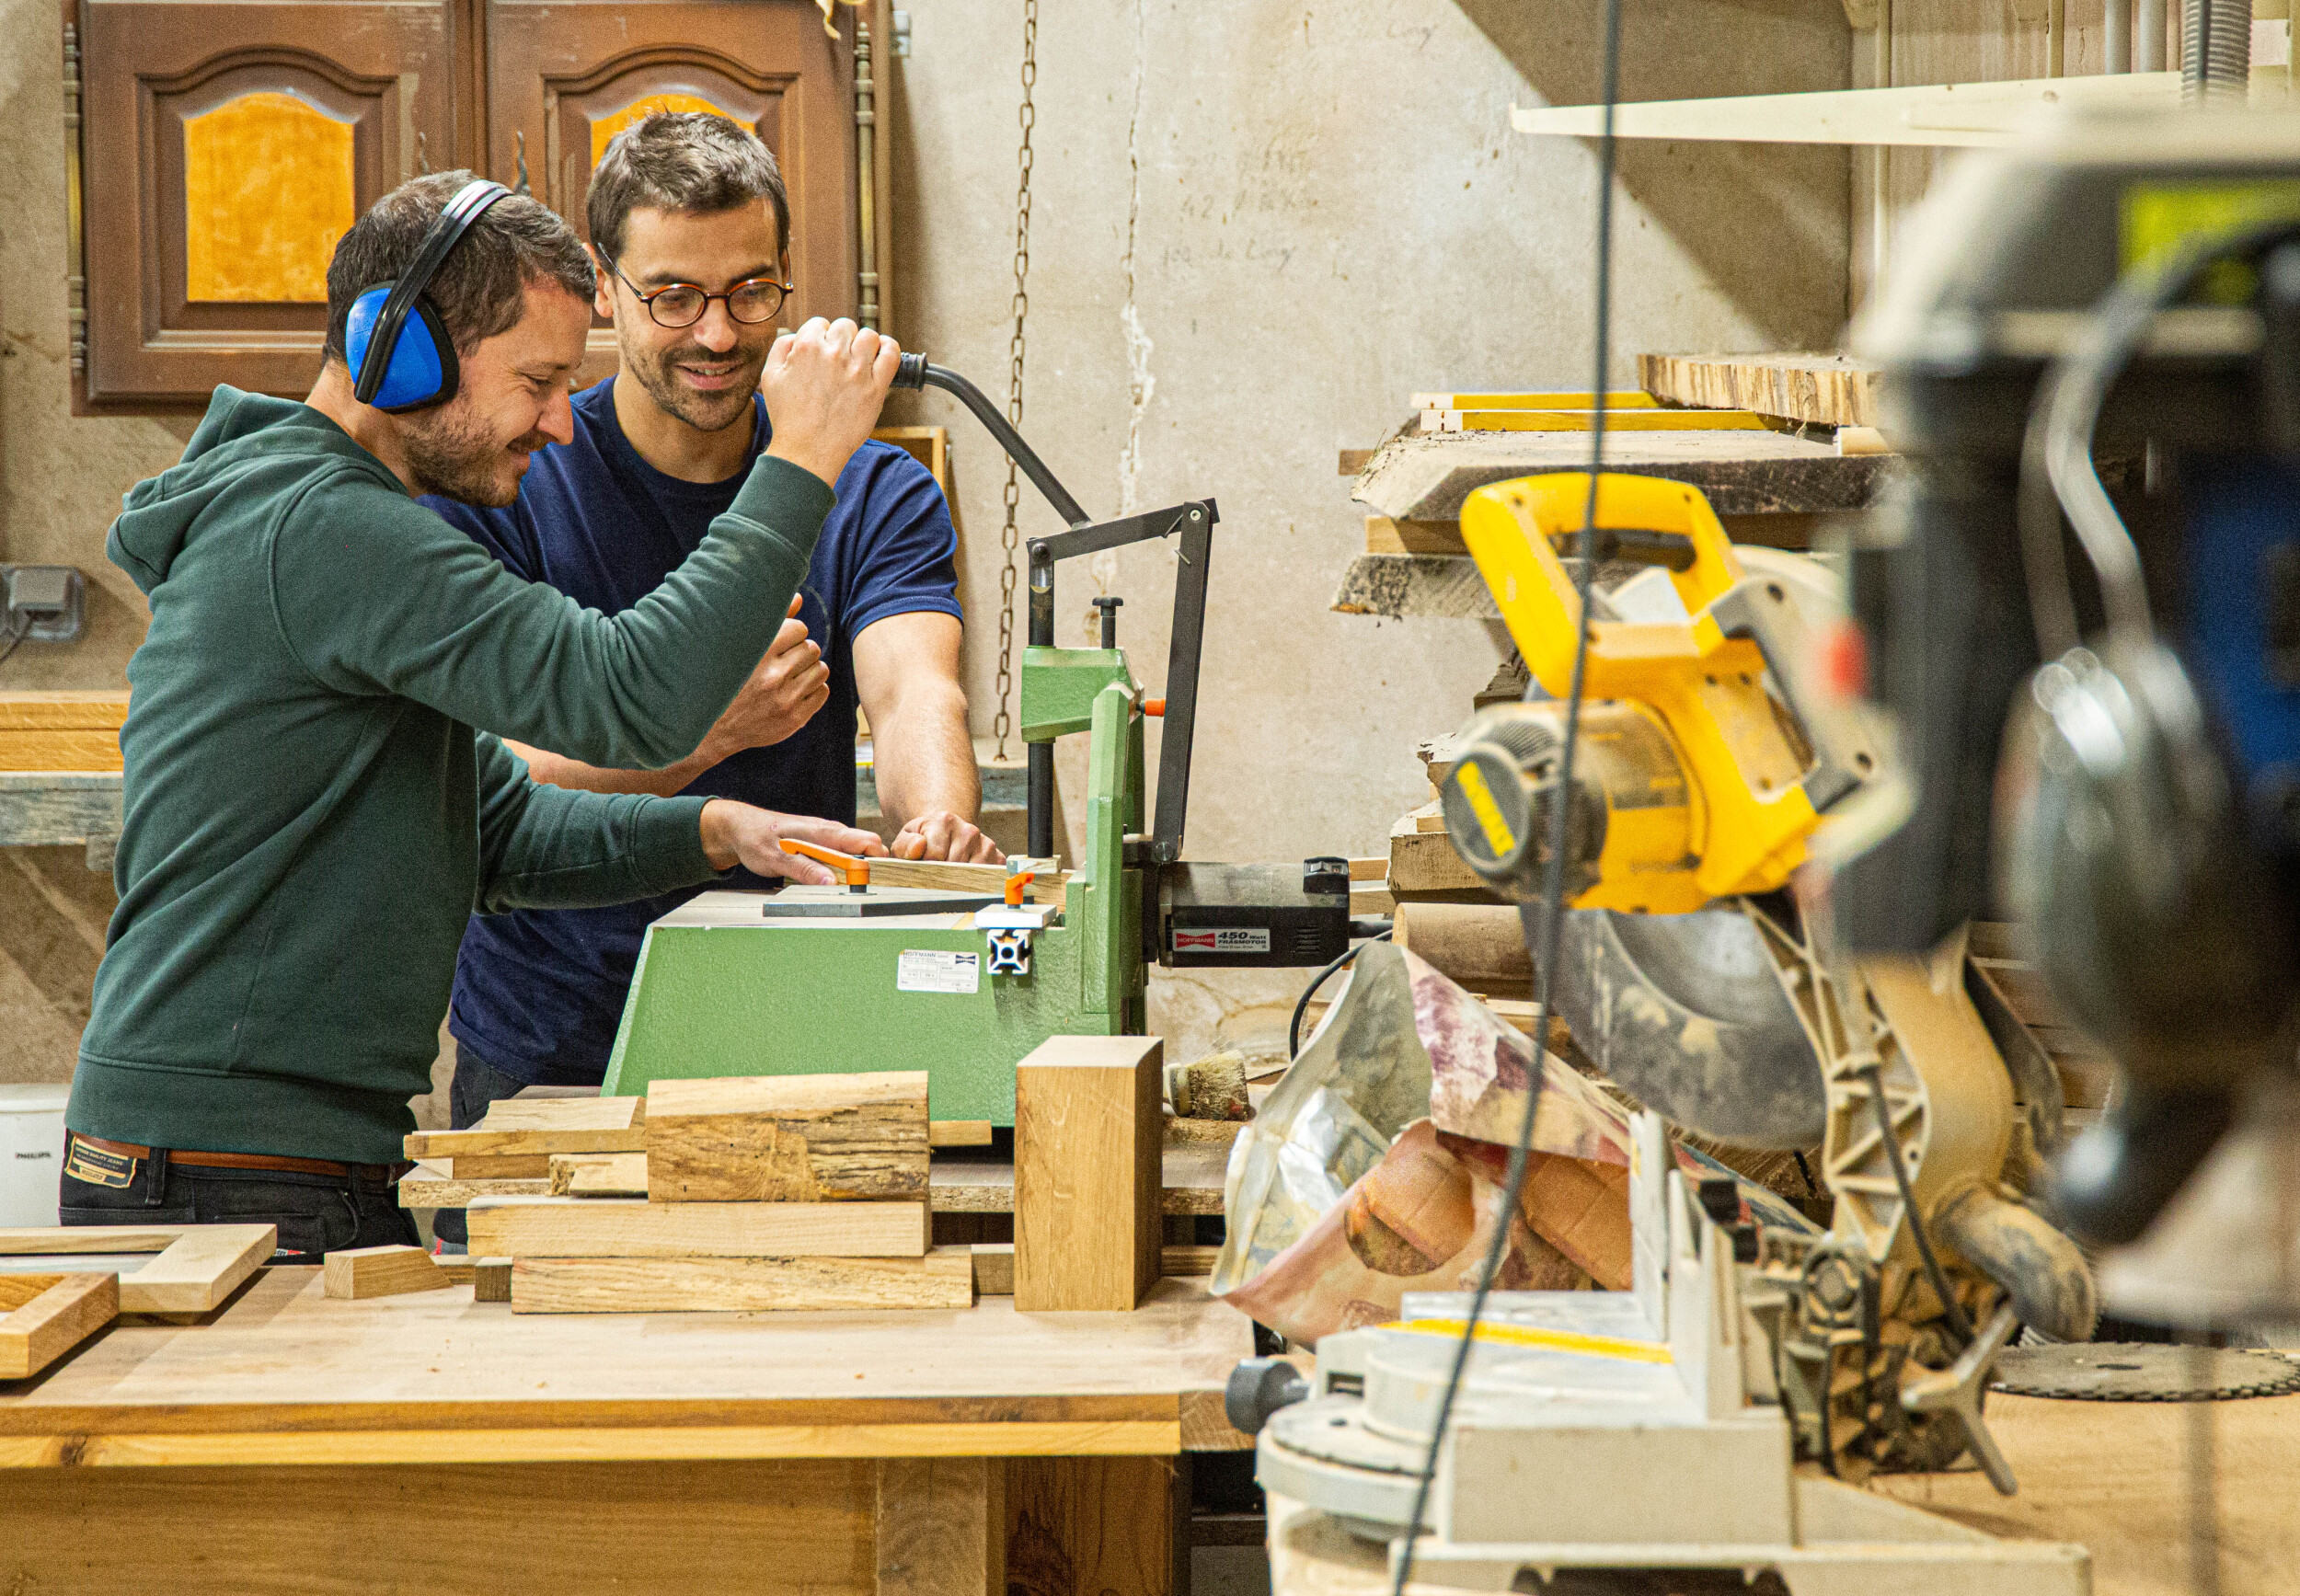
928	969
1224	939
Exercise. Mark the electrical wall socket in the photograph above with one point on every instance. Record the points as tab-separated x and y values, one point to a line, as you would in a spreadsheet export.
46	603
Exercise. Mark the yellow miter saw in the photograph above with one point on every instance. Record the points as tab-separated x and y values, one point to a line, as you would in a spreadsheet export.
1693	780
1661	1428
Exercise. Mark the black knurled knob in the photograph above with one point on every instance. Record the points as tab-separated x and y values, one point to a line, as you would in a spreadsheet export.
1258	1388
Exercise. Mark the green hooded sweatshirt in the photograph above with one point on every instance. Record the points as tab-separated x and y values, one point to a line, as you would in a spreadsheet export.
310	813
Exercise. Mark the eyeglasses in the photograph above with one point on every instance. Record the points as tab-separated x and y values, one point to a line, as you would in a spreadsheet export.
752	301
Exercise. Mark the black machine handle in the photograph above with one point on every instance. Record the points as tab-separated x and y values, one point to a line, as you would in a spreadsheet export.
1193	519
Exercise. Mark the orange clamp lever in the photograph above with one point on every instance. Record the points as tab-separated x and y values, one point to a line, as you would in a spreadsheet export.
1153	707
1016	885
856	871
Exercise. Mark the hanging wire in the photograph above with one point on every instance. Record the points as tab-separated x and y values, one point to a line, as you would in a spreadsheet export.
1553	876
1010	536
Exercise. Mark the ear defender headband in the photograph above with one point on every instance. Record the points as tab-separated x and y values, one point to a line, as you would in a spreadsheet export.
398	373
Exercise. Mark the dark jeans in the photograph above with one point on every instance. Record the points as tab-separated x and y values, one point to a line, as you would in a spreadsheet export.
315	1214
477	1086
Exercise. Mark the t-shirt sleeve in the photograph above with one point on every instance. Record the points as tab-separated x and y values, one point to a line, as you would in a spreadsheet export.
908	559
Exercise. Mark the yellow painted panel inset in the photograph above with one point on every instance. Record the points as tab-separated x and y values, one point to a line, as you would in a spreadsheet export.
268	190
603	132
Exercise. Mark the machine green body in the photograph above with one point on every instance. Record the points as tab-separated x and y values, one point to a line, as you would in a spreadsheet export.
722	989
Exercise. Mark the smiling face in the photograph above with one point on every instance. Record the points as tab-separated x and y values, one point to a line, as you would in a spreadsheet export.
703	374
511	400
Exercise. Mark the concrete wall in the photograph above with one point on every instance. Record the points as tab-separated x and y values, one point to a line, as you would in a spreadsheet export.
1258	228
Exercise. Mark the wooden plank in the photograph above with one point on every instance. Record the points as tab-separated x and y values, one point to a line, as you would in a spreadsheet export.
90	1238
65	709
199	1269
1618	399
958	1133
943	1278
380	1271
1384	535
1094	1526
1726	421
994	1269
1830	389
1089	1128
490	1278
599	1174
502	1167
67	1311
75	751
1188	1260
1049	884
431	1145
463	1193
1938	115
856	1138
564	1114
798	1526
1425	862
1414	587
611	1227
941	1527
1427	477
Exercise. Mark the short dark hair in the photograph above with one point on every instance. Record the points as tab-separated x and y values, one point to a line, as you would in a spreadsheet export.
480	289
690	161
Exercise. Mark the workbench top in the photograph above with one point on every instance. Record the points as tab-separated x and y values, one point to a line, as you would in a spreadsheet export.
282	1374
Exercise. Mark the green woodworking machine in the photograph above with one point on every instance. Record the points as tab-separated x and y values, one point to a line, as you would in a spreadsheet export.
859	976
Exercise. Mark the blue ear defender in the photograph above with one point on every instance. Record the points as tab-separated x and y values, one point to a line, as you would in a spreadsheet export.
401	367
419	368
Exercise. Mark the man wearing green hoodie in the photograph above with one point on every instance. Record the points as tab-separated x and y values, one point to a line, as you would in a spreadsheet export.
316	793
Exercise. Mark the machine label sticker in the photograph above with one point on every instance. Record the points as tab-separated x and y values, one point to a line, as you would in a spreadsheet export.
928	969
1224	939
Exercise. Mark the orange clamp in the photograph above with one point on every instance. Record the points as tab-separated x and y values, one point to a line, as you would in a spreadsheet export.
1016	886
1153	707
856	871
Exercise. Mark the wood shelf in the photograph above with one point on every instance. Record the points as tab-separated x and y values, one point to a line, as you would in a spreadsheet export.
1934	114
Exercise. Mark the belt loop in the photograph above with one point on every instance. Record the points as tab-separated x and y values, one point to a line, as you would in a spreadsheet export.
156	1195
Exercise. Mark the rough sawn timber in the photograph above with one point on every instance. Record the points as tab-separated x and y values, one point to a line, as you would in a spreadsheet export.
1829	390
611	1227
1428	477
944	1278
857	1138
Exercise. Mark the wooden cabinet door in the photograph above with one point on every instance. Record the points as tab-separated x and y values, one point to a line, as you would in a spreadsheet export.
226	146
564	76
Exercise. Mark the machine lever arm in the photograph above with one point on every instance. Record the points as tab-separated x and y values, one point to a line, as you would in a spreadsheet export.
915	372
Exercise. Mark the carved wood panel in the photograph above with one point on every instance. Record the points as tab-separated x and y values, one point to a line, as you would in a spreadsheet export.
216	155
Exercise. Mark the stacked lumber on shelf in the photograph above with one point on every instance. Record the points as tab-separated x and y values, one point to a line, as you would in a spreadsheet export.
751	1193
1780	445
67	729
509	1152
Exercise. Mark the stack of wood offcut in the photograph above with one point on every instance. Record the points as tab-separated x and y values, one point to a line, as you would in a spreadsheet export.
743	1193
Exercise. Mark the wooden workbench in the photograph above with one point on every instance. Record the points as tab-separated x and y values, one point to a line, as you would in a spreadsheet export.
2108	1475
426	1442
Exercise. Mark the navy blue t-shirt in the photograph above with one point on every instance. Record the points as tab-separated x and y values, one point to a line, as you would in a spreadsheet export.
539	992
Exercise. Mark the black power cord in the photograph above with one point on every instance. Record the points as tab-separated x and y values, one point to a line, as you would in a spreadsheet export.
1553	874
1874	1074
1301	1004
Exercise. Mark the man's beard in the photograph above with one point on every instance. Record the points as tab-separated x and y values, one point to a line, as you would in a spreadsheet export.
712	412
451	455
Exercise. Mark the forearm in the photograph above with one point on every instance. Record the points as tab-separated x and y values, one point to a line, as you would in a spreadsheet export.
922	758
557	770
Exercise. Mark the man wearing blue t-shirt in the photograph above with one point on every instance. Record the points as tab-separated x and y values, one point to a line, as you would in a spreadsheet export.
690	232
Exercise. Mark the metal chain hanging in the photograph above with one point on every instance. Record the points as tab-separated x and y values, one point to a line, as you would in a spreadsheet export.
1010	536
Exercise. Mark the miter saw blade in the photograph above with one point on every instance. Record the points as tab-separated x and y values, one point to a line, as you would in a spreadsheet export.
2143	1371
1685	1013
